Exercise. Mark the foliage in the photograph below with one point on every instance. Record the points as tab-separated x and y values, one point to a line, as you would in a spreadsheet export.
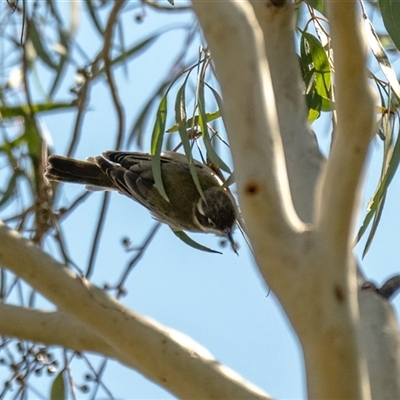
40	52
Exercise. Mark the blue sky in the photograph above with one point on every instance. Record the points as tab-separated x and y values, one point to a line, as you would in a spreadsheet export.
218	300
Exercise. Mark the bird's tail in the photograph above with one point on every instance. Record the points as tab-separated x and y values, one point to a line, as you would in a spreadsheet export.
64	169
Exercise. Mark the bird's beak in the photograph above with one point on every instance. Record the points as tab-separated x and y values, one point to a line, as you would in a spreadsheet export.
234	245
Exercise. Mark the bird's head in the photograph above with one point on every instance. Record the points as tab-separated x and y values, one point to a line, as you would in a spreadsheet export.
217	213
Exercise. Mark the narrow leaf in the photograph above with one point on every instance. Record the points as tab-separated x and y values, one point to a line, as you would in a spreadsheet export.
374	227
63	43
9	191
139	125
34	36
192	243
126	55
58	390
217	96
24	110
380	55
230	181
195	121
180	118
156	145
93	14
390	10
211	153
387	177
317	5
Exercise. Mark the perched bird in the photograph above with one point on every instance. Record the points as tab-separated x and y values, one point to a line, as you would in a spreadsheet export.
132	175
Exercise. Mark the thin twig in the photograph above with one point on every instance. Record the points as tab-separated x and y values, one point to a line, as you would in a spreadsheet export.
97	235
105	53
137	257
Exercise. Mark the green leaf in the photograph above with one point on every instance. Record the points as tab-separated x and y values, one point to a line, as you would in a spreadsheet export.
192	243
390	10
63	41
138	128
95	18
10	190
313	114
34	142
6	147
126	55
180	118
195	121
392	162
211	153
230	181
374	227
58	390
217	96
156	145
316	75
317	5
24	110
380	55
34	36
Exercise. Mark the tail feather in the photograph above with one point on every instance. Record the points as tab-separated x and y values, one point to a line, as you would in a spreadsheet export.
63	169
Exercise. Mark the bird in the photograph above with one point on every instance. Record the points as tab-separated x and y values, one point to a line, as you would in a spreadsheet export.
131	174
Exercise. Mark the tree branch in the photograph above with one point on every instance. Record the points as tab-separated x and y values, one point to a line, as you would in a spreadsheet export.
381	344
50	328
303	158
355	120
335	213
165	356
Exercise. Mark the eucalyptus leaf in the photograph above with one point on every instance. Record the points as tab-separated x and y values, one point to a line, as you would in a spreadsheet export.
93	14
390	10
58	390
317	75
156	145
180	118
24	110
211	153
317	5
34	36
391	165
195	121
134	50
192	243
9	192
381	56
138	128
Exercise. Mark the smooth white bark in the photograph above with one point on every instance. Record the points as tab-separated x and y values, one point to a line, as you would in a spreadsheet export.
51	328
381	344
355	120
303	158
